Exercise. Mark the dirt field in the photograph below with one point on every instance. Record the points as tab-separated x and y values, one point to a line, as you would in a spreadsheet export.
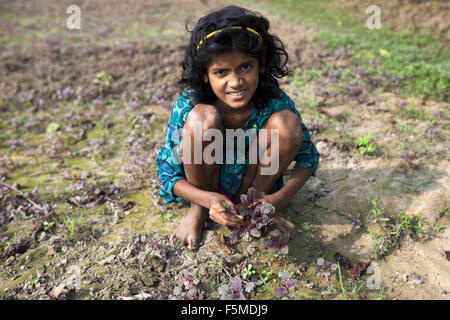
83	115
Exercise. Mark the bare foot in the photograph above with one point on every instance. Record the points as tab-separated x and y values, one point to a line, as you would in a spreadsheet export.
189	232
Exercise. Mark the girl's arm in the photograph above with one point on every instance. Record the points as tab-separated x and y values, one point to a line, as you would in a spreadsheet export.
191	193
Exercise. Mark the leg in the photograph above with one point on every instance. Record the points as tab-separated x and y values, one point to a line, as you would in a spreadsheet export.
204	176
290	139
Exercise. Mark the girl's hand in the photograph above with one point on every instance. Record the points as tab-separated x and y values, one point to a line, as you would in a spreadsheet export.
284	226
272	200
277	221
222	210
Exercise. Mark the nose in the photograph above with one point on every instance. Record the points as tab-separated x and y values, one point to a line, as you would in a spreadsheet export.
235	80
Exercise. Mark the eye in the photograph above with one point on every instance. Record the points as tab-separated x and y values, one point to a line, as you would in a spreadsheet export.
246	67
219	72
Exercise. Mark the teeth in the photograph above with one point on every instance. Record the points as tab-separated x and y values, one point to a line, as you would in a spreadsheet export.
236	93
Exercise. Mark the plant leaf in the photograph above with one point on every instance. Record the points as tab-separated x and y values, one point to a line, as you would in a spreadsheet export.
342	260
280	291
284	275
54	126
255	233
237	285
358	269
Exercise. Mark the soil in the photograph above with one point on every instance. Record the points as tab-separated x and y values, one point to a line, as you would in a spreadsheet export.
52	74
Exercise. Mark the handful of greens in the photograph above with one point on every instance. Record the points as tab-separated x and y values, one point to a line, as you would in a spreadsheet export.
257	216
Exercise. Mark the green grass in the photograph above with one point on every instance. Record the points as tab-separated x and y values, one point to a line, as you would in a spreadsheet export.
304	76
388	231
403	128
422	62
412	223
414	112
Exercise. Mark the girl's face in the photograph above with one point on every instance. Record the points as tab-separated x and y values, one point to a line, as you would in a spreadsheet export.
234	77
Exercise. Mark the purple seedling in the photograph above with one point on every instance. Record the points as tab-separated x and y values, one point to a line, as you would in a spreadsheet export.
256	216
286	284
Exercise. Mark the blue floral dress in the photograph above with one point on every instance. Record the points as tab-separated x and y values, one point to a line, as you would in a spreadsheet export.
170	170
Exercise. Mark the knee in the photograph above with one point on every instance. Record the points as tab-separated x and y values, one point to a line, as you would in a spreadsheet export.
289	128
205	114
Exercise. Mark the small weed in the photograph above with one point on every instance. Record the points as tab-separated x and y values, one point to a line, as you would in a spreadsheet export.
377	215
364	144
388	231
384	231
248	271
412	222
8	242
306	226
104	77
266	274
48	225
69	226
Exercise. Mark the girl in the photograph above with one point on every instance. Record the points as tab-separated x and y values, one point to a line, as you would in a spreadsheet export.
229	82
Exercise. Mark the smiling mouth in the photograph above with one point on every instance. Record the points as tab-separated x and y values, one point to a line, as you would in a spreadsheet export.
237	93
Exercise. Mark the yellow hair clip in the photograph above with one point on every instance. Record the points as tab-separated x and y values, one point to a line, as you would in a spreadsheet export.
219	30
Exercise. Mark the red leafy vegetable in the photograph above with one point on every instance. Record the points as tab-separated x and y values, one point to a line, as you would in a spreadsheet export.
356	271
342	260
256	216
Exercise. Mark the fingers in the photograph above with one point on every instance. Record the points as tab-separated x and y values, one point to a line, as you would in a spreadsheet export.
220	214
229	206
284	226
283	222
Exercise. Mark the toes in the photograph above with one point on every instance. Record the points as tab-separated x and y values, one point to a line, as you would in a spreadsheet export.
189	239
172	239
192	244
195	244
175	241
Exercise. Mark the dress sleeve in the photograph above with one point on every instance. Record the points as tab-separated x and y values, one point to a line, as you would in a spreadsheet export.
307	156
168	162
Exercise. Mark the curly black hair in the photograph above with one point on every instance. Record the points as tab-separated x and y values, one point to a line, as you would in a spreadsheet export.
267	48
